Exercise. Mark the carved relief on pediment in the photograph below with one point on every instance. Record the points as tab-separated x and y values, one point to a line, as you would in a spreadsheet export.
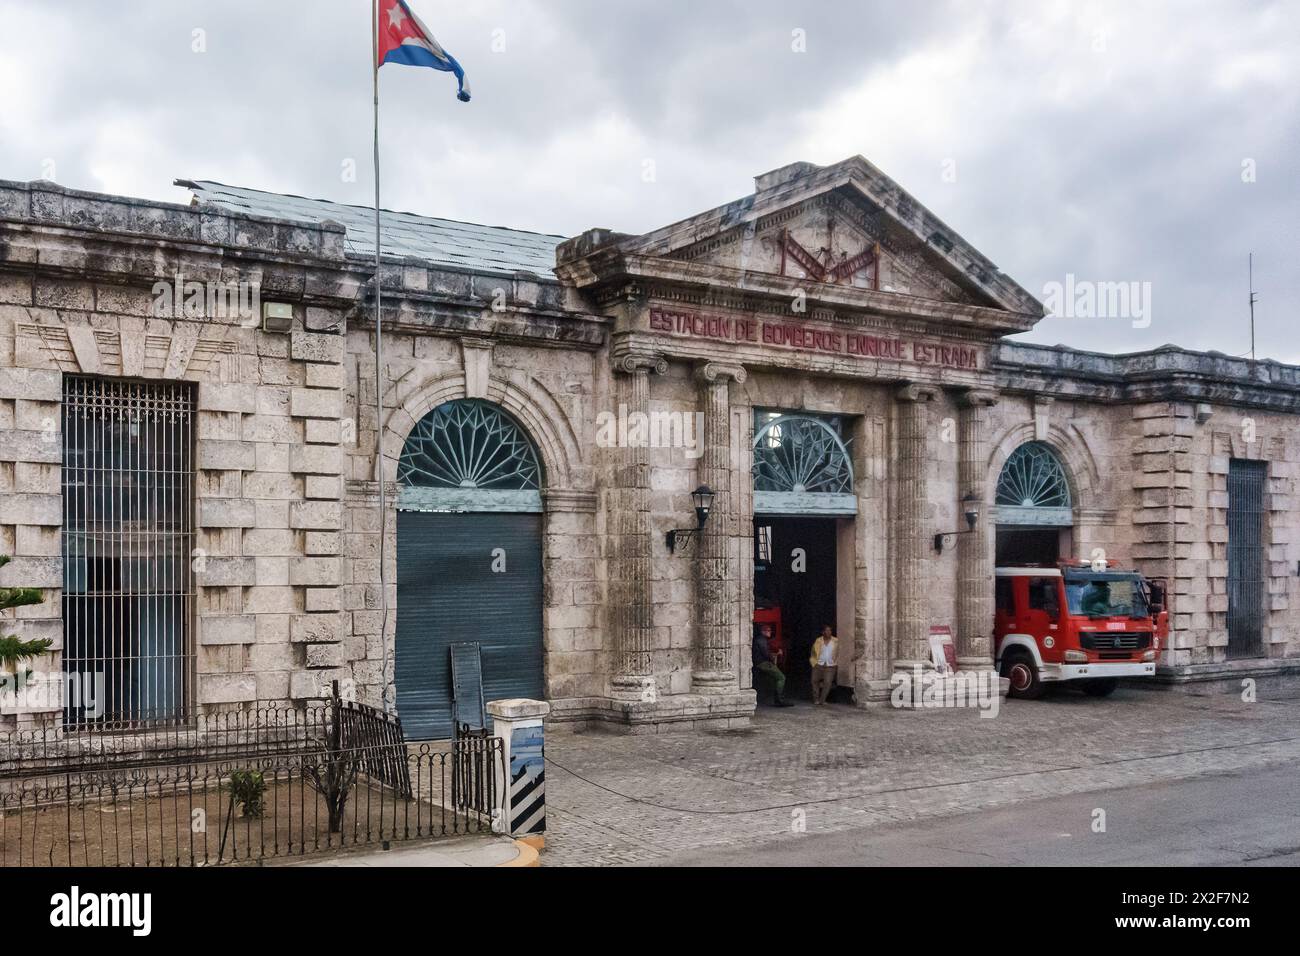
833	241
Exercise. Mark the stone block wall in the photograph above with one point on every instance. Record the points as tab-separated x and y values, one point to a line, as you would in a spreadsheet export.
1182	455
79	295
31	511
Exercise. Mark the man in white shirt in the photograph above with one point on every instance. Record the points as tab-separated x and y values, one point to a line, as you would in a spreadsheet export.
823	660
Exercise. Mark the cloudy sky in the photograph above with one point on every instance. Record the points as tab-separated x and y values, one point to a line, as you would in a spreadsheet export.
1141	142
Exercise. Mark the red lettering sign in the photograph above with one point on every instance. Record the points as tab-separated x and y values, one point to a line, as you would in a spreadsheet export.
805	338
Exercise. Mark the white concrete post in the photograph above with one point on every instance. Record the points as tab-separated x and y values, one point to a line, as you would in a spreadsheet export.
519	723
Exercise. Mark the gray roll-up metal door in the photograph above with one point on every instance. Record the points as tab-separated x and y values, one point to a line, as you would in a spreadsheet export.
1246	584
447	592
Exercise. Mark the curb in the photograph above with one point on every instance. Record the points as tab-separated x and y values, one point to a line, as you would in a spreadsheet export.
527	856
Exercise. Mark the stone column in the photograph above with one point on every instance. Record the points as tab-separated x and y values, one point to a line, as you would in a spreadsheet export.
872	470
631	613
912	535
715	575
974	550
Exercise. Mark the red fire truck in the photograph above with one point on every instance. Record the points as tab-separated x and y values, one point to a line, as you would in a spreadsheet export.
1086	622
770	614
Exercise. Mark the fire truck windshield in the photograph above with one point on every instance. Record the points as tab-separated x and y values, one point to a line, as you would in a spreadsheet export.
1100	594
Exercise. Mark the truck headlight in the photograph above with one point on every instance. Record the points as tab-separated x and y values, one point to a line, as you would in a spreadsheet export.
1149	656
1076	657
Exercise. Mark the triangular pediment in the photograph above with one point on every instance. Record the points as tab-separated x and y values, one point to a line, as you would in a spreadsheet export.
847	225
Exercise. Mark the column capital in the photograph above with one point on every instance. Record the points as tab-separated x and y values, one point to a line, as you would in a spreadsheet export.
712	373
914	392
640	361
977	398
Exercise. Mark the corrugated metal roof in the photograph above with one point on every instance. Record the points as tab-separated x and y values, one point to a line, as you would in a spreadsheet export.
442	241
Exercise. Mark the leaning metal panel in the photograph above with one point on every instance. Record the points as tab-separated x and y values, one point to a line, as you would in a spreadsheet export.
127	540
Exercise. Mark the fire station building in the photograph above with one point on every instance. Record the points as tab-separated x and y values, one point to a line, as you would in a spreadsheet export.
192	478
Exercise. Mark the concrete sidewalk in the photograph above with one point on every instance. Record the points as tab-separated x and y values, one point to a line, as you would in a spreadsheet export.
454	851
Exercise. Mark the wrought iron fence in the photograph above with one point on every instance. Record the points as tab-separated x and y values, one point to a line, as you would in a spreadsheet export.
235	788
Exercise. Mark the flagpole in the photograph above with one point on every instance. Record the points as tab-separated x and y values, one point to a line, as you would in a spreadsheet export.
379	378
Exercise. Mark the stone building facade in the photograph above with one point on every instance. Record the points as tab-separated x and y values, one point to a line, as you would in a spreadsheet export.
528	504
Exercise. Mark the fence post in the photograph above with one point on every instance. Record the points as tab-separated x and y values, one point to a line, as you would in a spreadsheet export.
519	723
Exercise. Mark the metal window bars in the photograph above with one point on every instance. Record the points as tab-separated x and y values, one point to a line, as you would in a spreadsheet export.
801	454
128	537
469	443
1033	477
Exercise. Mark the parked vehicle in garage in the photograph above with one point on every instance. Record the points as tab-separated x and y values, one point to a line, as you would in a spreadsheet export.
1076	622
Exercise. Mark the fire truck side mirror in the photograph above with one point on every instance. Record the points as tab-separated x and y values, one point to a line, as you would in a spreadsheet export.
1157	597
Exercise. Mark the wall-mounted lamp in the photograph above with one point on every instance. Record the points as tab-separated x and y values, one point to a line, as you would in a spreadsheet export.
702	498
971	509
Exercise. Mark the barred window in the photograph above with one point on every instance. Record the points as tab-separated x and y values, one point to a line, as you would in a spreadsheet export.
128	535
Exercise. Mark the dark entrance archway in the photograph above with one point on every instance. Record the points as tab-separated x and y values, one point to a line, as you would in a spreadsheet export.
804	510
800	580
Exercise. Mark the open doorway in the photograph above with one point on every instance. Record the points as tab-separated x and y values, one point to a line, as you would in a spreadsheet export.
798	575
1028	545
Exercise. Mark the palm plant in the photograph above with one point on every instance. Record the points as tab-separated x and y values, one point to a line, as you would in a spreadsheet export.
13	651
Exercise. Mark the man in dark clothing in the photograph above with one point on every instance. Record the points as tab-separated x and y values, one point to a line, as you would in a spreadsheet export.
764	662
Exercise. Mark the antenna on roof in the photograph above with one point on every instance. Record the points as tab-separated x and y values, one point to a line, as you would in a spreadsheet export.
1250	266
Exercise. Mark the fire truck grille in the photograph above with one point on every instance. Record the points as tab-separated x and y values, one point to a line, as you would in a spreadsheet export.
1114	641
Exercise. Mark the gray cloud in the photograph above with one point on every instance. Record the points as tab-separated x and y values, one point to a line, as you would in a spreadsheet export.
1106	143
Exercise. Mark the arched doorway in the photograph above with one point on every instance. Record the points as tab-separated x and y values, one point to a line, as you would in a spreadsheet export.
469	560
1033	507
804	508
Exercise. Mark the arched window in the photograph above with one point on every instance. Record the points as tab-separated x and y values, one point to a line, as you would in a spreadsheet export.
469	455
801	466
1033	488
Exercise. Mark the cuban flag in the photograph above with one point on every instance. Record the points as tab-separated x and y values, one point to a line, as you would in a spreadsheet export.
404	39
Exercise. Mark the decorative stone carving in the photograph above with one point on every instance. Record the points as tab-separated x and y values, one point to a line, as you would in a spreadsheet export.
641	362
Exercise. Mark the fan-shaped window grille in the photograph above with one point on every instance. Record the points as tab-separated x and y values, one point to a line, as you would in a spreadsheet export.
469	455
1033	488
801	466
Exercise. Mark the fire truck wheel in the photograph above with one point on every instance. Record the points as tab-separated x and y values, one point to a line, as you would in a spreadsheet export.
1101	687
1018	667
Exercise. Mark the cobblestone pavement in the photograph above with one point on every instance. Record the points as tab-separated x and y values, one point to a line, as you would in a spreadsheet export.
615	799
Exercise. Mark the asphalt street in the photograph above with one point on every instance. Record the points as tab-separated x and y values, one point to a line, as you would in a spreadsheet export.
1250	817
